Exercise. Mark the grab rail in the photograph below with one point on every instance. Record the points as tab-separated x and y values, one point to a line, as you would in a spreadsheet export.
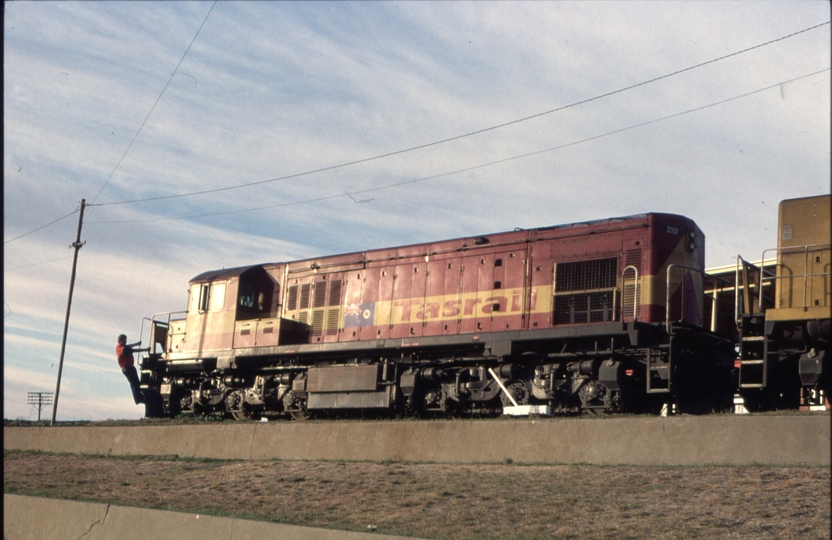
152	319
795	249
667	321
635	290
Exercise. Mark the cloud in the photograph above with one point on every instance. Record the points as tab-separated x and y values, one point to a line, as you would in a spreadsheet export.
269	90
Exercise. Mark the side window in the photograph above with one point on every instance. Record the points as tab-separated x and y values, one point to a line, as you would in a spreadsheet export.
204	293
254	295
209	296
253	301
216	298
247	300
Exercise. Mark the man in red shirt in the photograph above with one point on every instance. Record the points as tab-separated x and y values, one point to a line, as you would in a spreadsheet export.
124	352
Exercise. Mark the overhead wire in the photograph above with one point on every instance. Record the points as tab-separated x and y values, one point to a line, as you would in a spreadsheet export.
35	264
134	136
355	162
457	137
475	167
146	118
41	227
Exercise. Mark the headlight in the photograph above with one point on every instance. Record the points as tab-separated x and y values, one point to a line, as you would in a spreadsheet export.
693	241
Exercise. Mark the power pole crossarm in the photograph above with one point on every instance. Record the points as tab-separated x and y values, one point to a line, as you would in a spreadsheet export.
75	245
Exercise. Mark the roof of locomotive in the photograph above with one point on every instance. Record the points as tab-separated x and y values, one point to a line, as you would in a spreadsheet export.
825	196
468	242
225	273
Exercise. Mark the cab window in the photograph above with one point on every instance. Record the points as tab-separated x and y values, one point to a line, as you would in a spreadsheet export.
209	297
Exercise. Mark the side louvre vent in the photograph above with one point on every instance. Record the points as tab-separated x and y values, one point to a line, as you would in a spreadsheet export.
334	293
632	257
320	295
333	321
333	313
292	300
317	322
304	296
318	305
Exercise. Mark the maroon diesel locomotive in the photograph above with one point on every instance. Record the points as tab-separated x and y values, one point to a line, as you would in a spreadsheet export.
600	316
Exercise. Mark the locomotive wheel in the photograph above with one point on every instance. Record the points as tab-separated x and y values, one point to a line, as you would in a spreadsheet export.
593	411
301	415
296	406
235	406
518	391
244	414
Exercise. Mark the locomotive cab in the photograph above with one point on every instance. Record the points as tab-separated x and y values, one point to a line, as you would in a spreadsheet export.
235	310
257	320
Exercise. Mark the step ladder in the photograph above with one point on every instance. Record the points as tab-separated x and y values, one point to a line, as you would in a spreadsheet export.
658	372
753	358
751	324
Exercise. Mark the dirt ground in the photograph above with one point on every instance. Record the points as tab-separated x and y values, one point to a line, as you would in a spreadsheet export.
506	501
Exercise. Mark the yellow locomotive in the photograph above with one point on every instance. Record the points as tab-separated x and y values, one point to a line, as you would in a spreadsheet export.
782	309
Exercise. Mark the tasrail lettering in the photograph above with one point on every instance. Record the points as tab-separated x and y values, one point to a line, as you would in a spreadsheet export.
471	305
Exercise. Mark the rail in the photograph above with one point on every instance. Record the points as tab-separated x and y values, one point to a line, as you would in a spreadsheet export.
635	290
667	321
744	295
166	315
806	249
713	293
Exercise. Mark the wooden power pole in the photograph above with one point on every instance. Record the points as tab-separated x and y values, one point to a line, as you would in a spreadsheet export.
76	245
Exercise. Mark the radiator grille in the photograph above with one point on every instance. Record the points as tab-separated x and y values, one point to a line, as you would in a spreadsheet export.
584	308
585	291
585	275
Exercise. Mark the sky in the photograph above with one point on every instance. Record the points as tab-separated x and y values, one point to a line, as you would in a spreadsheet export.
208	135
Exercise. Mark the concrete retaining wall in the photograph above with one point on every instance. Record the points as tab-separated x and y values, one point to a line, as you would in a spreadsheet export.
54	519
687	440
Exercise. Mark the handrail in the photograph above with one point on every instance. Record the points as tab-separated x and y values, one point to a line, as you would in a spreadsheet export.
740	267
713	298
667	295
740	260
682	296
796	249
635	290
152	318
